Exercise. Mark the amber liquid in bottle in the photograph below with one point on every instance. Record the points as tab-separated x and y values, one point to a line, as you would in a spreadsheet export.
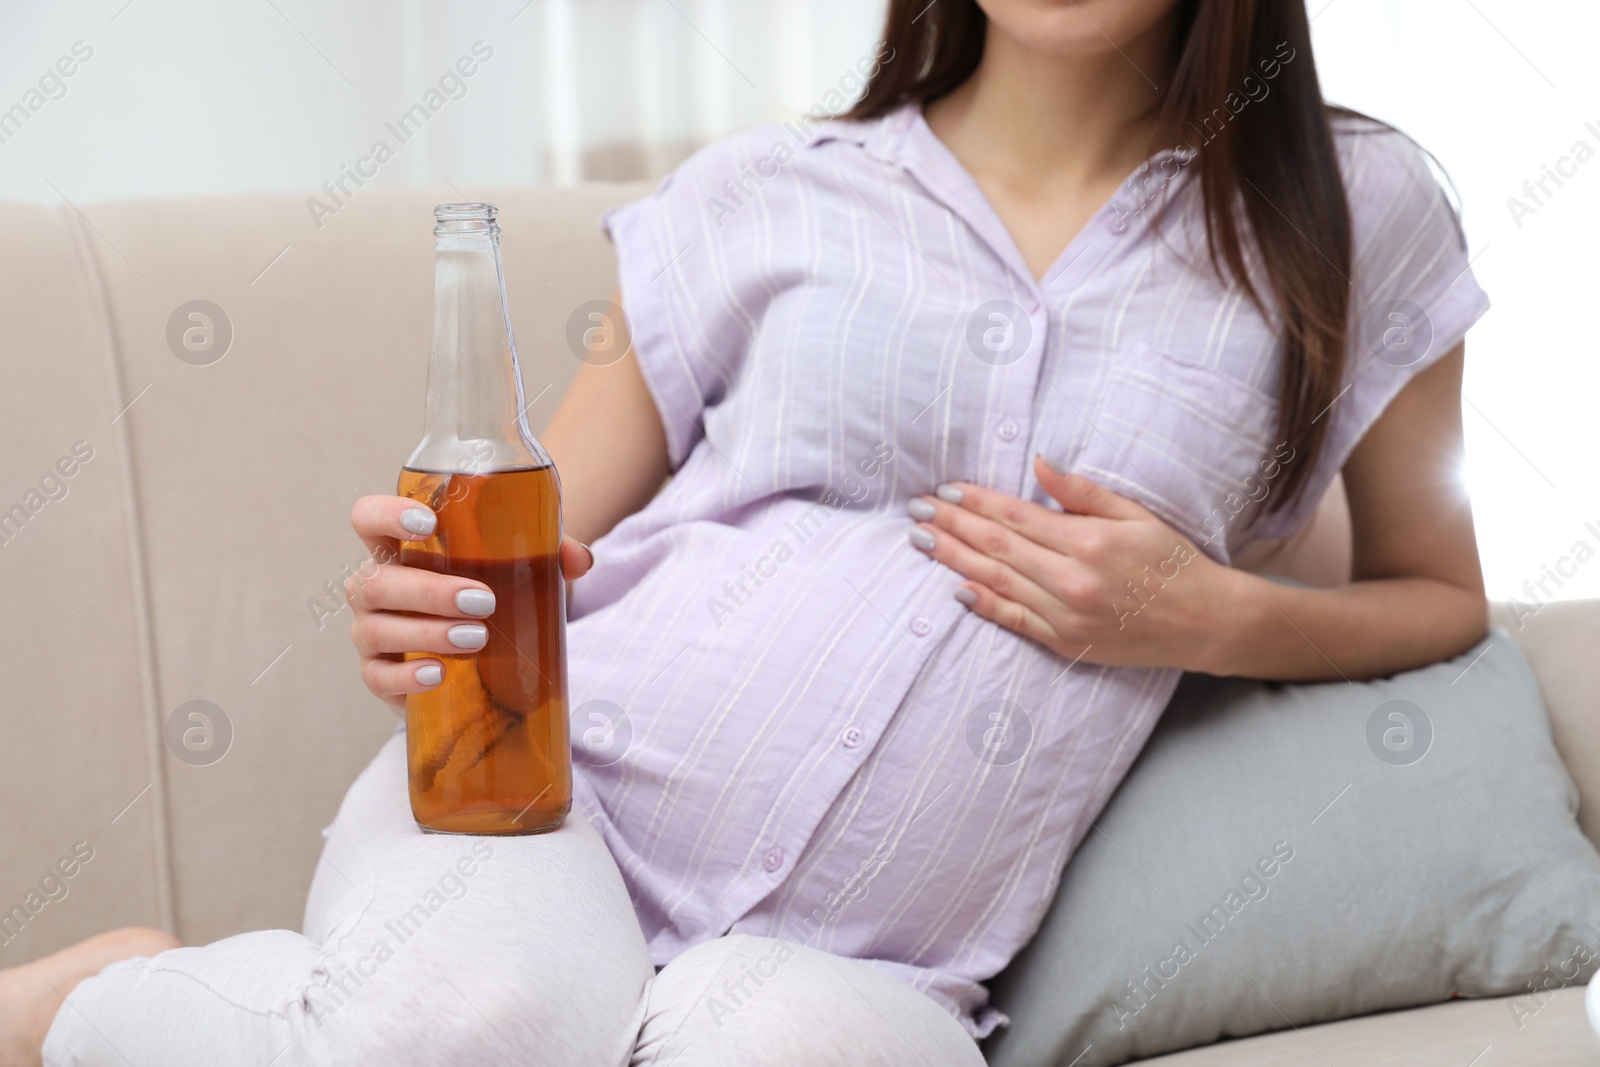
488	748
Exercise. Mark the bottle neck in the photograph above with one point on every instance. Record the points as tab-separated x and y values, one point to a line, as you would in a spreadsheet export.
475	420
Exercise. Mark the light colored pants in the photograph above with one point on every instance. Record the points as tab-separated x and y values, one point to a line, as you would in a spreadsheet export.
425	949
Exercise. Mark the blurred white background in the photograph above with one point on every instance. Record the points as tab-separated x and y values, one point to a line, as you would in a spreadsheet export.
184	98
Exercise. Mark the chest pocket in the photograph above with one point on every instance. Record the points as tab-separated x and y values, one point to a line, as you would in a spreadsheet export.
1188	442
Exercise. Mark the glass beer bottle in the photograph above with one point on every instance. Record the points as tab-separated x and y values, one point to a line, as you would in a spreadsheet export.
488	747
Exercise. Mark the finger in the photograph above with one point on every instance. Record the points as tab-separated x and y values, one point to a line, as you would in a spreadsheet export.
993	572
576	559
1080	496
389	678
385	633
1036	556
383	521
1013	616
1041	525
391	587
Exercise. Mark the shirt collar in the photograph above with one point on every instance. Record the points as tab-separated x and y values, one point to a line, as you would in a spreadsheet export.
902	138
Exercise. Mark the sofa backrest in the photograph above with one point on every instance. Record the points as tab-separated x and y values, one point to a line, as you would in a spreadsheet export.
174	531
205	514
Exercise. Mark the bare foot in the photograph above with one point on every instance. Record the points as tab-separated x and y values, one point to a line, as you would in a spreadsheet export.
30	995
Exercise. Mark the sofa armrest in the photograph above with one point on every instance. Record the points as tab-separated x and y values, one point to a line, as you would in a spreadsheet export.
1562	642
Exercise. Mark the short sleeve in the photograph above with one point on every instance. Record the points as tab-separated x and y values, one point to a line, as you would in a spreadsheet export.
1413	296
688	289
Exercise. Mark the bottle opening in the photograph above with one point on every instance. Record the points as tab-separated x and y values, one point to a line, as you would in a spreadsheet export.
465	218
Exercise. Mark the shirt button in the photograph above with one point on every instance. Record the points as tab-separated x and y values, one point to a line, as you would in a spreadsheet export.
772	859
921	627
851	737
1117	221
1031	306
1008	430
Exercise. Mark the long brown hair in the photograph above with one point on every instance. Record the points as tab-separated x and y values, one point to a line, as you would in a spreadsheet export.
1275	160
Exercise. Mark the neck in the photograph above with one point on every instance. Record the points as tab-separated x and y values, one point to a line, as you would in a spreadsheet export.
1041	118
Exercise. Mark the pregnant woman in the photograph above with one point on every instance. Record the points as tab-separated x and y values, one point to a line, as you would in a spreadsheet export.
980	407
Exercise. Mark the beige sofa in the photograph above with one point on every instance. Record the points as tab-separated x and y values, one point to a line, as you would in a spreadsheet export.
205	516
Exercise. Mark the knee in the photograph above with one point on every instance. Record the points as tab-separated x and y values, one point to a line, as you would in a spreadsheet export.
474	984
744	999
733	971
736	999
132	941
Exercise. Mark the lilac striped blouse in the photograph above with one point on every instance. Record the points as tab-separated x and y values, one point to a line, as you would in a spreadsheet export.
785	724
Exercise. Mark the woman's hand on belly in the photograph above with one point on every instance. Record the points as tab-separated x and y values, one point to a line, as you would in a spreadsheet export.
1112	583
1106	581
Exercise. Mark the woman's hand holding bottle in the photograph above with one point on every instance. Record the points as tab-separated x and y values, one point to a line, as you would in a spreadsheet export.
402	609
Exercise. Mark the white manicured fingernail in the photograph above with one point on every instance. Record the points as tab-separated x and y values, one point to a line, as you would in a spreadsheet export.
479	602
430	675
948	493
418	520
922	539
468	635
966	596
919	508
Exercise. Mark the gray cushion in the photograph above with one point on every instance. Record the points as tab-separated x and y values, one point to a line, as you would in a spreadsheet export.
1282	855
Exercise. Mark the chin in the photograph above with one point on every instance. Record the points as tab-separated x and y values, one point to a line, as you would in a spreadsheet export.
1068	28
